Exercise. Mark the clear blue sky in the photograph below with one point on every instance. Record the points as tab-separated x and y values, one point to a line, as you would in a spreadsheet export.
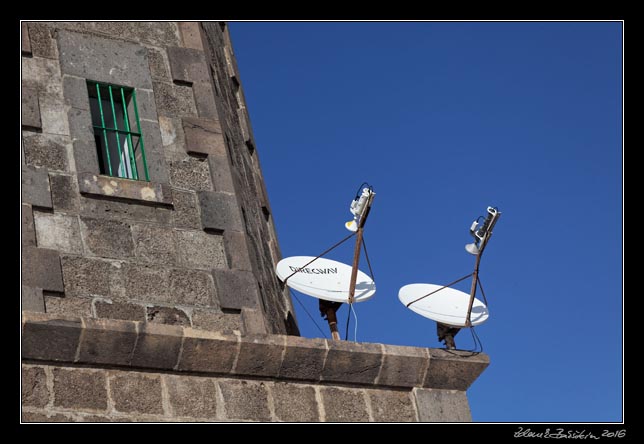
444	119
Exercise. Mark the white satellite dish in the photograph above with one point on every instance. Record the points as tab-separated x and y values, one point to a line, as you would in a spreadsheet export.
447	306
324	279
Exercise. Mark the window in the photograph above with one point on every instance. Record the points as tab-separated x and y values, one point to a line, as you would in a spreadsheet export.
117	131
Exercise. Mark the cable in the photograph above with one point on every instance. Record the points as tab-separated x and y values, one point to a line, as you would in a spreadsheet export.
366	255
442	288
355	331
307	312
346	330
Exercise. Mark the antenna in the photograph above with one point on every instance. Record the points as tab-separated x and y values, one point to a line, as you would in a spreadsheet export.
332	282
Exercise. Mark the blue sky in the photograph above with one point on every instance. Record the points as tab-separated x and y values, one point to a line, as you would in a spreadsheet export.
444	119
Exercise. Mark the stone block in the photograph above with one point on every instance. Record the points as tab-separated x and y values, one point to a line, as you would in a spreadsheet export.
47	339
45	150
35	187
455	370
391	406
237	250
304	358
64	193
106	341
191	35
205	351
260	355
41	269
220	211
58	232
116	210
174	100
435	405
154	33
344	405
204	100
147	109
253	322
26	43
352	362
119	310
168	316
80	389
113	61
85	156
154	157
216	321
222	178
193	287
30	108
136	392
114	187
295	402
68	306
245	400
186	210
158	65
147	283
87	276
32	299
187	65
154	244
42	42
53	114
75	92
236	289
107	238
41	417
34	387
197	249
403	366
191	396
203	136
27	225
158	346
190	174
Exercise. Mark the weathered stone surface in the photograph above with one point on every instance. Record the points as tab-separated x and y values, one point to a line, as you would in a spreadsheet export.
191	396
147	109
75	92
35	187
68	306
219	211
192	287
245	400
191	35
41	269
107	238
26	44
448	370
30	108
237	250
187	65
87	276
107	341
77	388
64	193
136	392
190	174
45	150
204	100
207	351
352	362
154	244
146	282
158	346
253	321
203	136
27	225
42	43
436	405
216	321
344	405
236	289
49	339
113	61
295	402
41	417
260	355
110	209
58	232
304	358
196	249
154	33
115	187
403	366
167	315
32	299
158	66
186	210
174	100
222	178
34	387
391	406
154	157
119	310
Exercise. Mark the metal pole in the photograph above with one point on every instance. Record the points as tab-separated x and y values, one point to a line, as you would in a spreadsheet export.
475	277
356	251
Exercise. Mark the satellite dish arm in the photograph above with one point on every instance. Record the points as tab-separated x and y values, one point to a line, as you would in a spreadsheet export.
356	251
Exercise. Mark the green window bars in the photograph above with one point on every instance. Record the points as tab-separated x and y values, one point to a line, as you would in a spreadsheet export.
117	131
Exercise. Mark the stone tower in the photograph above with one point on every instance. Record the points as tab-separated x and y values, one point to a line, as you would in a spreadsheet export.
148	250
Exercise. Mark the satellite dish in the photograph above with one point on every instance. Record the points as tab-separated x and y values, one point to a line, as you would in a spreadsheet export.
447	306
324	279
